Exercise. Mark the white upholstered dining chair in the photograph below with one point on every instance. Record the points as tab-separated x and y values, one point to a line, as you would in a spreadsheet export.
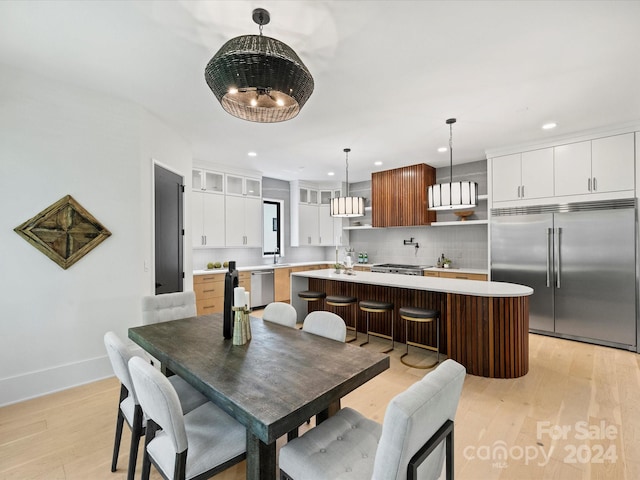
408	444
326	324
168	306
281	313
196	445
129	408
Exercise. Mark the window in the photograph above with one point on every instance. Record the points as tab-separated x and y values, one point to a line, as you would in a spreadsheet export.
272	232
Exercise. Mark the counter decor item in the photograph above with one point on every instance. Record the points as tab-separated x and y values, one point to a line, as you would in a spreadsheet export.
338	267
463	214
230	282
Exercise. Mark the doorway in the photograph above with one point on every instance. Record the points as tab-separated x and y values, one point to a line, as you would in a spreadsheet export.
169	230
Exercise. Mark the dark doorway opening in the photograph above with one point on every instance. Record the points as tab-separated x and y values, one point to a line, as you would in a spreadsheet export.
169	231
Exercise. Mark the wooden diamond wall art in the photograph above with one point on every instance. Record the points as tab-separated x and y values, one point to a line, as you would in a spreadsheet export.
65	232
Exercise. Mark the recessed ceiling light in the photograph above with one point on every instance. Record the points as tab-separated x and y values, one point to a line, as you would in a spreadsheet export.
378	163
443	149
549	126
252	154
331	174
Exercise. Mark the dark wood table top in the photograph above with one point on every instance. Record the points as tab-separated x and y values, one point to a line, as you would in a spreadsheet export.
274	383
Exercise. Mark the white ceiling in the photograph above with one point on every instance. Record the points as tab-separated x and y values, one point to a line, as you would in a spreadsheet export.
387	73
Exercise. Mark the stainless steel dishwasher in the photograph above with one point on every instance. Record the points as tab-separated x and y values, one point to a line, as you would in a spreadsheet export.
261	288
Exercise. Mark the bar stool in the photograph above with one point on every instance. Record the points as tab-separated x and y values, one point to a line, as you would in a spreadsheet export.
344	301
420	315
311	296
373	306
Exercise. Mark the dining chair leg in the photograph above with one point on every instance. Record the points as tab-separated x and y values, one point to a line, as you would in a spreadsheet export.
119	424
136	433
116	443
150	433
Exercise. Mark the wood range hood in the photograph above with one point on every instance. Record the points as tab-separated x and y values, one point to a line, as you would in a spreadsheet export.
399	196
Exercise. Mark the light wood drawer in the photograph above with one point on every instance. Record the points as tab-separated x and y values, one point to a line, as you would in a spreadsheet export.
214	277
210	305
208	290
430	274
464	276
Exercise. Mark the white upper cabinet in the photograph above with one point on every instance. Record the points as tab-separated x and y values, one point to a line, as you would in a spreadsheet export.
572	168
243	221
207	220
596	166
523	176
207	181
612	163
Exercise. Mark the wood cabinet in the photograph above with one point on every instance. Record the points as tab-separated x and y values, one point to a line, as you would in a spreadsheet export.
244	280
522	176
282	280
454	274
282	284
601	165
399	196
209	290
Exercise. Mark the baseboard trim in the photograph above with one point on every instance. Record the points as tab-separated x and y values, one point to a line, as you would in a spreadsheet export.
43	382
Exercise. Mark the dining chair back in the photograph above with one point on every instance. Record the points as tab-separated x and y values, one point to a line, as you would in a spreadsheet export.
281	313
168	306
199	444
413	442
325	324
129	409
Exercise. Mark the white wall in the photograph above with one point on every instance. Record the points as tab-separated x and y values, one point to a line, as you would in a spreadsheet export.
55	140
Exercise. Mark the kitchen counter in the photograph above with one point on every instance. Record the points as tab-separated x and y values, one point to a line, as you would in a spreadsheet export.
432	284
474	271
260	267
484	325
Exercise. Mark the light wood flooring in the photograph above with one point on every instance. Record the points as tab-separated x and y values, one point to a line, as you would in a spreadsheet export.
575	415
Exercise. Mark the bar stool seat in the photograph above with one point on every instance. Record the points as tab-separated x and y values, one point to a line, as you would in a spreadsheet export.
344	301
420	315
374	306
311	296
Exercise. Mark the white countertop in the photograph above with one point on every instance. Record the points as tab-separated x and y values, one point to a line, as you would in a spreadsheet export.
433	284
459	270
260	267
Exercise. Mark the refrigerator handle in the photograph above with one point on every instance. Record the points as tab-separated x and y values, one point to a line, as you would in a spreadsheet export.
557	256
549	249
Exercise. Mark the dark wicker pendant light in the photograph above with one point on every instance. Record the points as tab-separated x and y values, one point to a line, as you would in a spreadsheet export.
259	78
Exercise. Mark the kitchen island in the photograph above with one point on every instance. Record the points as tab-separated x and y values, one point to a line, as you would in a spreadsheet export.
484	325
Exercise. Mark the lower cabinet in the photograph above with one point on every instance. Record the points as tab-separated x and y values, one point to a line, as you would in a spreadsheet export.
460	275
244	280
209	290
282	280
282	284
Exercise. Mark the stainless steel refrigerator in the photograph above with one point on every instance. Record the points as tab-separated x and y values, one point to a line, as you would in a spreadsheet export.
580	259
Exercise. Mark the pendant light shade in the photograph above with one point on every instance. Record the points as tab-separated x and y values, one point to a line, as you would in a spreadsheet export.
452	195
258	78
347	206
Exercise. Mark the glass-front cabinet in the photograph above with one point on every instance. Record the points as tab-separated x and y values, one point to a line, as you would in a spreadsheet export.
207	181
244	186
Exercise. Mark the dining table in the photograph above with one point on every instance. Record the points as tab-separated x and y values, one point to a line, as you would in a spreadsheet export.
272	384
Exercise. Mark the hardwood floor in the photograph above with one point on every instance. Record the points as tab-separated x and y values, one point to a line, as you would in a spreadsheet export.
537	421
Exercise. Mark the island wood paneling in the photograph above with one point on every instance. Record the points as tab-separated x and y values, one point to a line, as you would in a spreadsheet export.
424	333
399	196
488	335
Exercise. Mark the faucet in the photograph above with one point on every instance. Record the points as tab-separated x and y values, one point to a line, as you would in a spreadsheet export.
275	256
